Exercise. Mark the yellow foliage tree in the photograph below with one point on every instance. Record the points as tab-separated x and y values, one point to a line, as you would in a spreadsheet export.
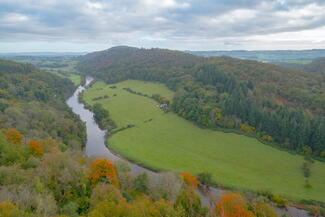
8	209
264	209
267	138
138	208
14	136
247	129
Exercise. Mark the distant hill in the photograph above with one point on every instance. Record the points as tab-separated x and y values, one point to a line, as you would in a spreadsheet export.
124	57
266	55
41	54
317	66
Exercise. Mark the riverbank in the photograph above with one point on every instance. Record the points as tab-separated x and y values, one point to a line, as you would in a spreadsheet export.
102	151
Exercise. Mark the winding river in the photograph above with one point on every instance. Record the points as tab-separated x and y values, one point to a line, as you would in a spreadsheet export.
96	148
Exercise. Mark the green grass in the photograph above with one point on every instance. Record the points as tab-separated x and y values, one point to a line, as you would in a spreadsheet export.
299	61
76	79
169	142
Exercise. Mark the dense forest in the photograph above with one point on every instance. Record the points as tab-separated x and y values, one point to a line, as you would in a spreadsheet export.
39	178
33	102
317	66
277	104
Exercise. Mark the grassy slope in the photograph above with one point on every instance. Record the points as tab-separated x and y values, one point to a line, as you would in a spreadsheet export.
169	142
76	79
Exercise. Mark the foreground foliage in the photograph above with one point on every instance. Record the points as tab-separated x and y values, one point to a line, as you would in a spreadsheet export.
68	184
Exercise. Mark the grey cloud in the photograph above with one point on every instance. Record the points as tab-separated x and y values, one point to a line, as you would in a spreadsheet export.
169	21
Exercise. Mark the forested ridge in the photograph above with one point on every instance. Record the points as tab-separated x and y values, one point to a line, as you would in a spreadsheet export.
33	101
277	104
317	66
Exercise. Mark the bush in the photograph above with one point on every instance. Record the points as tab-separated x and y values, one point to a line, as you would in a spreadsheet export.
279	201
205	178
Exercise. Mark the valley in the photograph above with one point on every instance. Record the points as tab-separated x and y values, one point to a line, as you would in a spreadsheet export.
168	142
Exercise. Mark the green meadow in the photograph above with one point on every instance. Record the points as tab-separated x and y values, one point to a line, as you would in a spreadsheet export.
165	141
76	79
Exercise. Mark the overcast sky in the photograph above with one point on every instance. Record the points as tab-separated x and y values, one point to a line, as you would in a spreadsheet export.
88	25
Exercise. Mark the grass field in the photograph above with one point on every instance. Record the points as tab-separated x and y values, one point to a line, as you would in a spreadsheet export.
76	79
169	142
299	61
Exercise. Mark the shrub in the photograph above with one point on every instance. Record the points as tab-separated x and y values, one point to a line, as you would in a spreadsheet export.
264	210
205	178
279	201
8	209
14	136
247	129
267	138
190	180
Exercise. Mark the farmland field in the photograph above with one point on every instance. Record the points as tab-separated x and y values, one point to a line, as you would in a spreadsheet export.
165	141
76	79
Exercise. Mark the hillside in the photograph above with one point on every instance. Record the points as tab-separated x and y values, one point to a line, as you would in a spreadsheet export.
277	104
33	102
149	136
317	66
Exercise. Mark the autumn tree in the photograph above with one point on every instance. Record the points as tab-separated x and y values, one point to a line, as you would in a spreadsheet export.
35	149
264	209
190	180
8	209
103	170
247	129
190	203
105	192
14	136
138	208
233	205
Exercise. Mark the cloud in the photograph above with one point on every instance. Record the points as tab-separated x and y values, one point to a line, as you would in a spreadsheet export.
178	24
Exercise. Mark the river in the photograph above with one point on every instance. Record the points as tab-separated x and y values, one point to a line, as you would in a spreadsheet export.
96	148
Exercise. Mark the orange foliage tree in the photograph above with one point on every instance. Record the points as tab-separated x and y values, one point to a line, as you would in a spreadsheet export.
36	149
190	180
14	136
233	205
103	170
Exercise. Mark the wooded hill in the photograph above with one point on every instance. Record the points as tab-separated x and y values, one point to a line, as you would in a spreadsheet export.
33	101
317	66
277	104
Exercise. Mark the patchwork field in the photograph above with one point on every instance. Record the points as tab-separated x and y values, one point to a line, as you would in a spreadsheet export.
165	141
